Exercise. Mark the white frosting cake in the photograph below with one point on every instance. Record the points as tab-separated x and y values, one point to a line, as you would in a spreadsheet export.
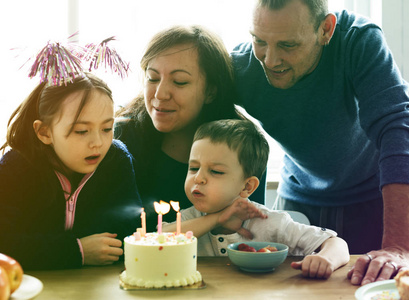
164	260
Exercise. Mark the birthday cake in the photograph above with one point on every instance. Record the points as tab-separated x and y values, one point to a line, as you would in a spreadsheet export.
160	260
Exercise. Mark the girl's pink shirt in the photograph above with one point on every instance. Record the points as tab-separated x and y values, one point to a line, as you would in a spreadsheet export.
71	202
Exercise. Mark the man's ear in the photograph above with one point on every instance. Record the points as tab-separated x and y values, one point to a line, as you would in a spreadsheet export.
250	186
43	132
327	28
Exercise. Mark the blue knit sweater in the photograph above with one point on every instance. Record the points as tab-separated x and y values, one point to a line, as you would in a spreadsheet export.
344	128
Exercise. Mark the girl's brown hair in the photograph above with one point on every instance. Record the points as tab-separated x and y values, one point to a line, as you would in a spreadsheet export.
43	104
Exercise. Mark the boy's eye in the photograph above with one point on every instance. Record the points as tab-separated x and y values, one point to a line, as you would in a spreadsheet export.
217	172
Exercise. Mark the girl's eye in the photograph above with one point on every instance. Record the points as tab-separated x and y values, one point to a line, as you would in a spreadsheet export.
81	132
180	83
193	169
152	79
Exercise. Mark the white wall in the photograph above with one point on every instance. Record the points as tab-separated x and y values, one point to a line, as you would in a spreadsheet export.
395	24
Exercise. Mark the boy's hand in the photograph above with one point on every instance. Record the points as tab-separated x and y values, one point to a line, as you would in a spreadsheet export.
232	217
314	266
101	249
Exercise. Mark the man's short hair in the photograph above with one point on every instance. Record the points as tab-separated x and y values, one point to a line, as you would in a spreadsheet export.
318	8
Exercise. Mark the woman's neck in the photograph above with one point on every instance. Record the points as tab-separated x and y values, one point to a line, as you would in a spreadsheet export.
177	145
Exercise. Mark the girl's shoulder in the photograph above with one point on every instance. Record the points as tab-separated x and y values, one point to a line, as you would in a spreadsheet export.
13	162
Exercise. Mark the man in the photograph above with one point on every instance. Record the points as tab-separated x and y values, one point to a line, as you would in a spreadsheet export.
326	88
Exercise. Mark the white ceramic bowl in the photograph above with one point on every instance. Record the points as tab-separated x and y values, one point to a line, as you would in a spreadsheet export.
257	261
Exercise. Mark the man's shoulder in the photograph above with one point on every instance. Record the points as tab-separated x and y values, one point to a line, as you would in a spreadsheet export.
351	21
241	53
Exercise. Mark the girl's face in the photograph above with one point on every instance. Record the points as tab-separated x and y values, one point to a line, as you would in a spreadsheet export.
175	89
215	177
82	149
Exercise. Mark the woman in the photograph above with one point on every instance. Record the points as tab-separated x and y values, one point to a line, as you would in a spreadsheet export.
188	81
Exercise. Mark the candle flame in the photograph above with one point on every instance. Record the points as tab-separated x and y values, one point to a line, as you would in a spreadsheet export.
175	205
162	207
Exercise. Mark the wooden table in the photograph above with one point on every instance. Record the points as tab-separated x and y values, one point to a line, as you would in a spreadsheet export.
223	281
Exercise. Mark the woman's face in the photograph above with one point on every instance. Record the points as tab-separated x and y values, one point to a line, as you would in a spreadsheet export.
175	89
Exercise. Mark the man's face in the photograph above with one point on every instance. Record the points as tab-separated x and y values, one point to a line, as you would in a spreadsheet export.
286	43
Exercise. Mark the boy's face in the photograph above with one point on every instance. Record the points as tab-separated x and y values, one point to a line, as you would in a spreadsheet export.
85	147
215	177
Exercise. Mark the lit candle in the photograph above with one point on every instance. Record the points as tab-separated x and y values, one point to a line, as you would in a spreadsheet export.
175	206
161	209
159	223
143	221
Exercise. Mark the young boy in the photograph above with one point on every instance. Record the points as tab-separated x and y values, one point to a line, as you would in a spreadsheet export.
226	160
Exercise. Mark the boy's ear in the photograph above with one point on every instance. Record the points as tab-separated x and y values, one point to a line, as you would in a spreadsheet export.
43	132
251	185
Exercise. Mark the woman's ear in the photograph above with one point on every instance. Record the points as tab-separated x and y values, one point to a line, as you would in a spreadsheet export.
210	94
250	186
43	132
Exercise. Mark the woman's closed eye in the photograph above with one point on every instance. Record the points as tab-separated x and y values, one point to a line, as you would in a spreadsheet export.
180	83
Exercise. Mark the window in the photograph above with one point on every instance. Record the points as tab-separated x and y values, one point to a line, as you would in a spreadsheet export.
32	23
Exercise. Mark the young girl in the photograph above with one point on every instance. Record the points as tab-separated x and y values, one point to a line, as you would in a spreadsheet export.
67	190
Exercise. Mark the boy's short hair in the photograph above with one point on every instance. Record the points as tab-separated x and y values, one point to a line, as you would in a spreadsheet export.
243	137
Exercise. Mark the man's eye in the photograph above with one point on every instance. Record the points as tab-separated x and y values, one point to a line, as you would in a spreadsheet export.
258	41
107	129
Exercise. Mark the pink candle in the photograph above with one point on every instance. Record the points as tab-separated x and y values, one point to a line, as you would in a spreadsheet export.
175	206
143	221
161	209
159	223
178	223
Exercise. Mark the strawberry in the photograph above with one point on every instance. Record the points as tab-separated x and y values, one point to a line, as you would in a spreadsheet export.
242	247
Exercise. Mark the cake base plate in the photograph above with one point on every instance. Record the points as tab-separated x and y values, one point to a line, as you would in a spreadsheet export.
196	286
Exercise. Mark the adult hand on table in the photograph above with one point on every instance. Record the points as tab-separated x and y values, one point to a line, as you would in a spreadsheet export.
101	249
378	265
241	209
394	255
